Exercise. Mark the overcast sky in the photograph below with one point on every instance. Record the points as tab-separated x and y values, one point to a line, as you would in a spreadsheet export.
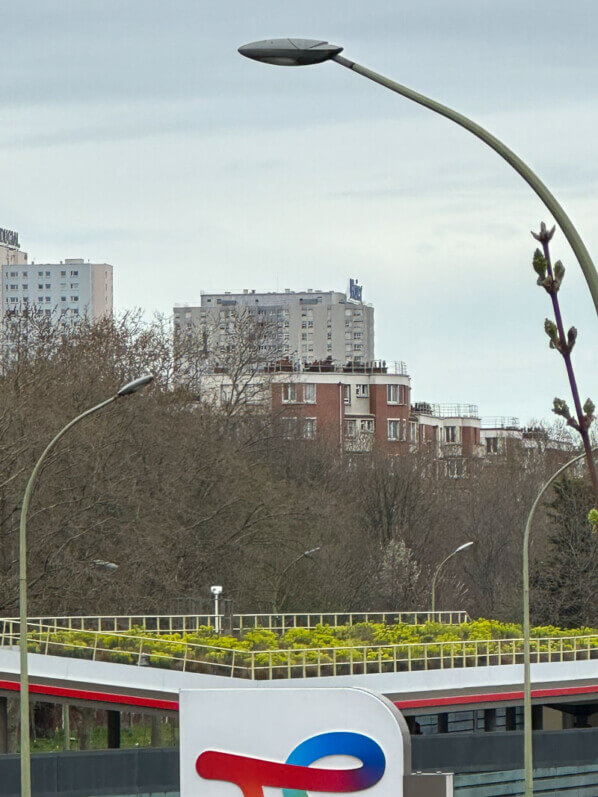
133	133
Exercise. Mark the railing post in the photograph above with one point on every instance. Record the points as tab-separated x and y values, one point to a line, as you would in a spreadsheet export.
185	657
95	646
253	665
304	668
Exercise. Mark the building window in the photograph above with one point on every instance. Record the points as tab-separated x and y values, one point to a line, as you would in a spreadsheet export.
74	285
63	298
394	430
366	425
63	273
450	434
362	391
47	273
48	299
289	427
347	394
392	394
309	393
309	428
74	298
289	393
40	287
73	273
40	273
351	429
492	445
25	286
455	468
412	432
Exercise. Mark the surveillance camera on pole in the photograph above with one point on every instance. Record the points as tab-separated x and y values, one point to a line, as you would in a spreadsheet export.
216	591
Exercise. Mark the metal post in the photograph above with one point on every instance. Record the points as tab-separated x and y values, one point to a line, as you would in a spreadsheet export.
66	726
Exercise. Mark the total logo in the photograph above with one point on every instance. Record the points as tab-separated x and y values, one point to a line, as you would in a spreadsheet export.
296	776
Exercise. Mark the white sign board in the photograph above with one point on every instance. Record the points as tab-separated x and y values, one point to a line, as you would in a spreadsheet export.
257	742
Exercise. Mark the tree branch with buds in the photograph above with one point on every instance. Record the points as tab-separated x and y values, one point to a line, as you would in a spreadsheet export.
551	278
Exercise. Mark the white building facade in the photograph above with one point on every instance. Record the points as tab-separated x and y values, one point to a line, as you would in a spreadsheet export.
71	288
310	326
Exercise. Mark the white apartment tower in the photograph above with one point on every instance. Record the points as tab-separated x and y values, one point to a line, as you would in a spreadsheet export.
311	326
70	288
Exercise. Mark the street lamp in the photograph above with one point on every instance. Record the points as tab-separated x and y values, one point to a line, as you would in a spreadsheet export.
127	390
444	561
302	52
527	685
305	554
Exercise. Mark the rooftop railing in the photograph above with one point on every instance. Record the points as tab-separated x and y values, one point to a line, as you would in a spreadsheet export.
237	623
500	422
182	655
396	367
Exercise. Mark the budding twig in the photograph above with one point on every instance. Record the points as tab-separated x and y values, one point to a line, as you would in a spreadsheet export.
550	278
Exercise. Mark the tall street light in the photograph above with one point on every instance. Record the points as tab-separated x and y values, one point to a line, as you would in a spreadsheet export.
303	52
438	569
300	52
306	555
126	390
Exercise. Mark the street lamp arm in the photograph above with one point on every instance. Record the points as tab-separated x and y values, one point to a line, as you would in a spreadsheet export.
527	687
557	211
438	569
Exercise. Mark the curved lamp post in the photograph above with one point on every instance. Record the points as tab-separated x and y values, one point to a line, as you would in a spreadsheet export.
302	52
527	686
126	390
305	554
444	561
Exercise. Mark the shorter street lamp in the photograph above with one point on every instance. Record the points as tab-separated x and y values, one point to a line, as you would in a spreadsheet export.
444	561
127	390
528	765
307	555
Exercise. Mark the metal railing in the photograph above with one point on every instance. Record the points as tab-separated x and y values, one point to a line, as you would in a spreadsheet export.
455	410
500	422
238	623
295	662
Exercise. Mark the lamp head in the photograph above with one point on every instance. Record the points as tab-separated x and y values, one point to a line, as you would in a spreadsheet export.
135	385
216	590
464	546
290	52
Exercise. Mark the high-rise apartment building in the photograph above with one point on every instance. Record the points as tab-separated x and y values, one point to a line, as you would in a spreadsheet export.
310	326
70	288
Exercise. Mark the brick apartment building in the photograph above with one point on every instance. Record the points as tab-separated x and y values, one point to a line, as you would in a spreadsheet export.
362	406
